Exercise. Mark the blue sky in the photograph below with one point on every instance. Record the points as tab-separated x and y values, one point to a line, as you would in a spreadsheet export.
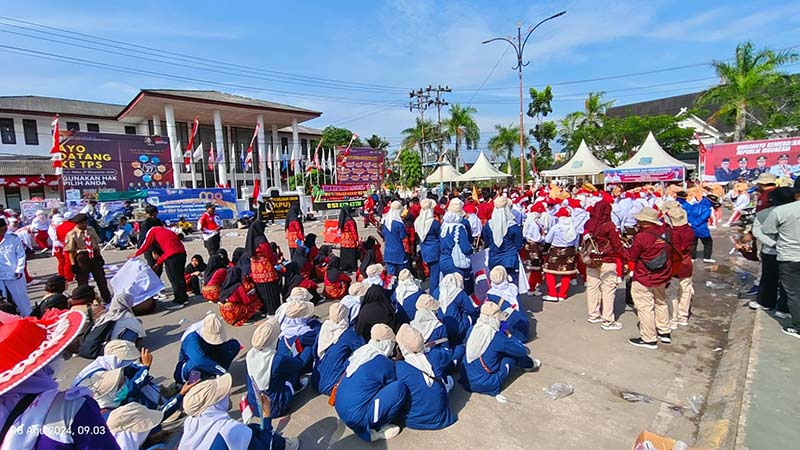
391	47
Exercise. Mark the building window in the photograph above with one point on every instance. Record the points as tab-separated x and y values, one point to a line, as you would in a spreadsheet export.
36	192
7	133
31	133
93	127
130	129
285	145
304	148
73	126
12	197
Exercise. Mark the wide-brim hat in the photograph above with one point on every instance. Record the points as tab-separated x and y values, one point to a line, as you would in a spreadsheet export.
29	344
358	289
78	218
206	394
105	383
677	216
134	417
299	310
122	349
767	178
300	294
648	215
212	330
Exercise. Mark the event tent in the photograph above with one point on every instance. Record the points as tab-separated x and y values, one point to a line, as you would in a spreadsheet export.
582	163
482	170
650	155
443	174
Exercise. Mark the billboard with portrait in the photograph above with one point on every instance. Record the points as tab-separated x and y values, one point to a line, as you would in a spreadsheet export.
730	161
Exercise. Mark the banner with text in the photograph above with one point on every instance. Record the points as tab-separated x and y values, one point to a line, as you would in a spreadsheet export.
360	166
645	175
280	206
729	162
334	196
191	203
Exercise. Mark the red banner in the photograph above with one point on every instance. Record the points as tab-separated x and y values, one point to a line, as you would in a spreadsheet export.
729	162
29	181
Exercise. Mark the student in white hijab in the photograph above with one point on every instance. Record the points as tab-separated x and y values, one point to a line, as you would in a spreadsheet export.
506	296
503	238
428	230
336	342
456	309
490	354
208	424
564	240
126	325
117	354
394	231
406	294
132	423
352	300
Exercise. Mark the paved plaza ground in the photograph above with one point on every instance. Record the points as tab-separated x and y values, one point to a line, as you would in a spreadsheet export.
601	365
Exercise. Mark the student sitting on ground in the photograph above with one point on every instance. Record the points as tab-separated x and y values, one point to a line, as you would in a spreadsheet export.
55	298
506	296
192	273
407	292
456	309
335	281
205	352
336	342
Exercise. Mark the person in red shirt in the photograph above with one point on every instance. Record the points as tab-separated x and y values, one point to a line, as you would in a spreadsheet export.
173	257
369	212
61	234
765	184
335	282
348	240
601	281
682	237
485	208
294	229
648	289
210	225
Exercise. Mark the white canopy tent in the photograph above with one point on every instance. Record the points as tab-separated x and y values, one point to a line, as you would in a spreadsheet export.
651	155
482	170
443	174
583	163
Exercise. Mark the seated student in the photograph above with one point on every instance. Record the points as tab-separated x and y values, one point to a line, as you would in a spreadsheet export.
55	298
133	424
192	273
375	308
213	277
298	329
292	279
371	254
431	328
490	354
506	296
120	311
407	292
275	374
206	351
208	425
305	254
185	226
456	309
353	299
335	281
321	262
424	376
239	301
124	232
336	342
369	396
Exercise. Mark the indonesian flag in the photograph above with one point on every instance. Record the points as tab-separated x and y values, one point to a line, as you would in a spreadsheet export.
248	160
257	192
195	126
346	151
316	153
211	158
198	153
702	148
55	150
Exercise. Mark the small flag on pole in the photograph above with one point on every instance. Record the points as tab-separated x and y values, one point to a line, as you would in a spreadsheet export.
55	150
198	153
316	153
211	158
220	157
195	126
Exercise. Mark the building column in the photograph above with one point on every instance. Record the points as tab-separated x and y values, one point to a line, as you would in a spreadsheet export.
222	173
262	154
157	125
172	134
296	154
276	163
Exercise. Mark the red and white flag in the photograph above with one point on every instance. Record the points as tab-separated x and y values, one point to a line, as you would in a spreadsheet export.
702	148
55	150
346	151
211	158
195	126
248	160
316	153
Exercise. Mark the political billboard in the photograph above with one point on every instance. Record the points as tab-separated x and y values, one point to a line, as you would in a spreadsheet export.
191	203
359	166
730	161
335	196
645	175
102	162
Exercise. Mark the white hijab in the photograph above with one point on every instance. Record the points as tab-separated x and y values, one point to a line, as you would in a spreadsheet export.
481	336
200	431
531	230
406	288
393	215
449	287
121	306
567	228
420	362
329	334
129	440
353	303
423	223
425	321
450	222
367	353
100	364
499	223
259	365
506	291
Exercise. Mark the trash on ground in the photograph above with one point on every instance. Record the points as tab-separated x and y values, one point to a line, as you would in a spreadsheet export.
695	403
182	321
718	349
711	285
558	390
677	410
635	397
501	398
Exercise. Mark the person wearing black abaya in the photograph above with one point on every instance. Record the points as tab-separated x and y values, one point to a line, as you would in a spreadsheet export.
375	308
349	240
214	277
259	262
294	228
291	279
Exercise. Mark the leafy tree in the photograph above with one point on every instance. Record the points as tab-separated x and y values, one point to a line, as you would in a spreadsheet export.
503	143
462	125
410	167
544	131
340	137
378	142
420	135
747	84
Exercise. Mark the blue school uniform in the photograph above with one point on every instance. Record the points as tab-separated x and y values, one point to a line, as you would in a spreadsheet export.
486	374
409	304
446	246
371	398
284	381
208	359
507	254
328	370
460	315
395	255
517	323
295	345
427	408
260	439
429	249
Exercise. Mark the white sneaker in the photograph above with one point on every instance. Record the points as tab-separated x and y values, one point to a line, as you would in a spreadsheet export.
385	433
673	325
549	298
292	443
537	364
755	305
303	384
726	225
782	315
597	320
683	322
709	260
537	292
611	326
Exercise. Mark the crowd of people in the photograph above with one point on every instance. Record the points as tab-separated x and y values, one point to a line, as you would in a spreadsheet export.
437	299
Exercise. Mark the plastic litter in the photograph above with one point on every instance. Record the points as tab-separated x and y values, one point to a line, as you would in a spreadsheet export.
634	397
559	390
718	349
696	402
680	445
182	321
711	285
677	410
501	398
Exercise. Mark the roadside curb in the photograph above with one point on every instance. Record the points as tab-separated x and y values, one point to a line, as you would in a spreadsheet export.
719	423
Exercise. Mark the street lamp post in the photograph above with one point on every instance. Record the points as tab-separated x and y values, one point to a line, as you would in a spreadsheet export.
519	48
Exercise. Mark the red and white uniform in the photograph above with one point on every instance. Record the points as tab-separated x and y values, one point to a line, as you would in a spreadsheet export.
209	225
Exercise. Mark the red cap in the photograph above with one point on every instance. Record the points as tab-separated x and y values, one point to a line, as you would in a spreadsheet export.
469	208
563	212
538	207
574	203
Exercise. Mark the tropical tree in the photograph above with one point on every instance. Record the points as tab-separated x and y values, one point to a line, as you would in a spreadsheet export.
338	137
543	131
462	125
747	84
594	110
410	167
378	142
420	135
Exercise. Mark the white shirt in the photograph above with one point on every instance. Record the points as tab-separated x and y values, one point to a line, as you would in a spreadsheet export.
783	225
474	224
12	257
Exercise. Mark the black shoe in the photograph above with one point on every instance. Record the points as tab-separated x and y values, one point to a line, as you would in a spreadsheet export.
638	342
665	338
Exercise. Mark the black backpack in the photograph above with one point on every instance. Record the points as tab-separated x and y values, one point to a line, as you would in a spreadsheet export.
95	339
659	262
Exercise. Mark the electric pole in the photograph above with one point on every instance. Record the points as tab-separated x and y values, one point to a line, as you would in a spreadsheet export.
421	101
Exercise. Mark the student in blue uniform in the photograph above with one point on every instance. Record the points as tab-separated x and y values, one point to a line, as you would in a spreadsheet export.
276	375
490	354
503	238
208	425
506	296
455	245
427	322
369	397
206	350
394	231
298	327
428	230
355	293
456	309
406	294
423	374
336	342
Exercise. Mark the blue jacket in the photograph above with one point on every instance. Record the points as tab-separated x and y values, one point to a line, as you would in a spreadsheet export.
298	344
285	370
260	439
507	255
446	245
460	315
499	358
328	370
394	253
429	246
210	360
517	323
697	215
409	305
428	407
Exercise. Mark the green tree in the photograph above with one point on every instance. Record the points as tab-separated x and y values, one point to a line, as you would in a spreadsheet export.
574	126
462	125
504	142
543	131
378	142
338	137
419	135
747	84
410	167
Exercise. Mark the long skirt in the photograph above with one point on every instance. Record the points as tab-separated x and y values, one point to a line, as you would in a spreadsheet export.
561	261
270	295
348	260
237	314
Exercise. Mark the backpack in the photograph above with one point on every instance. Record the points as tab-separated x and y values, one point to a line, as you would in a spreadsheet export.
91	345
660	261
590	255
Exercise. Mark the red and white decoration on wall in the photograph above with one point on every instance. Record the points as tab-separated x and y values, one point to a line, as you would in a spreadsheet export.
28	181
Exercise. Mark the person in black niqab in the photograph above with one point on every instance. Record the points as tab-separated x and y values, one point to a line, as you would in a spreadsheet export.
375	308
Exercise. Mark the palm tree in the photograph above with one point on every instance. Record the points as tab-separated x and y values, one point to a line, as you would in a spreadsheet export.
419	135
744	84
594	110
504	142
462	125
378	142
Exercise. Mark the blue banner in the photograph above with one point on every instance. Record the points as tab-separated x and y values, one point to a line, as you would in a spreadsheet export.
191	203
